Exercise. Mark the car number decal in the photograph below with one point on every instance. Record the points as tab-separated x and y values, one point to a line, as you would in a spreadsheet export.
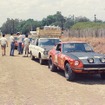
56	59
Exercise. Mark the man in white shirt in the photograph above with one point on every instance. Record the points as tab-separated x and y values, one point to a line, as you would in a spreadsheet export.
3	42
20	37
26	42
12	42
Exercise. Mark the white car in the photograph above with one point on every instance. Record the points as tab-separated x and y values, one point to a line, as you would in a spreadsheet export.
39	48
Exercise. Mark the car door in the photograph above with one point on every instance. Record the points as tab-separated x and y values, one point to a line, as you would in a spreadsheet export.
31	46
60	57
57	53
35	48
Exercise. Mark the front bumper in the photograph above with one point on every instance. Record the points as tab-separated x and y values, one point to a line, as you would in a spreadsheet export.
89	70
44	57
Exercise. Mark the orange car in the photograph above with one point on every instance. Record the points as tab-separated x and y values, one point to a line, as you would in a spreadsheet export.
76	57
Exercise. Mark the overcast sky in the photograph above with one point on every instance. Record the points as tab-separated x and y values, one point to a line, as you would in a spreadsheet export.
39	9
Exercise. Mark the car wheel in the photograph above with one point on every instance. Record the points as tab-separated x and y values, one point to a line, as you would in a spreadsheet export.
31	56
52	66
102	75
69	74
41	61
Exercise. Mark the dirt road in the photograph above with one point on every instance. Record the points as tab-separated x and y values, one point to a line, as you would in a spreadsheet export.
26	82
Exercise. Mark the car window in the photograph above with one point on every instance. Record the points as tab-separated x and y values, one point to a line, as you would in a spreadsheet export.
33	41
58	47
88	48
30	39
79	47
68	47
76	47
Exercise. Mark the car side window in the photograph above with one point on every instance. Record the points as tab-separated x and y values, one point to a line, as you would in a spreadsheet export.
58	48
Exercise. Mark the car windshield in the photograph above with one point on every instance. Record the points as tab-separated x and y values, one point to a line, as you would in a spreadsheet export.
77	47
49	42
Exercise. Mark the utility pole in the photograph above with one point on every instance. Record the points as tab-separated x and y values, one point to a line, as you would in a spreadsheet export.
13	27
73	20
95	19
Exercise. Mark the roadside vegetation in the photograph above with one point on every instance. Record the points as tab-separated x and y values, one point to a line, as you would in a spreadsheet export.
87	25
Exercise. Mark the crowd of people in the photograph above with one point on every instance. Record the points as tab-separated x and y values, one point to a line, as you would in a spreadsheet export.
25	41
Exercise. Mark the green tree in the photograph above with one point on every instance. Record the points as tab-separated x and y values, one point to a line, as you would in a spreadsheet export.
69	22
10	26
81	19
60	19
28	25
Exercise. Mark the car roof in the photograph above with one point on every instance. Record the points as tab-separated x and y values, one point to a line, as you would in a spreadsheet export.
48	38
72	42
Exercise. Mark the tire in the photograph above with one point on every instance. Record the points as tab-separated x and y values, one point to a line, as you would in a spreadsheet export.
41	61
69	74
31	56
51	66
102	75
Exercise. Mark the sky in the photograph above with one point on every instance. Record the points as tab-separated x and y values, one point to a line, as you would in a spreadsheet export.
39	9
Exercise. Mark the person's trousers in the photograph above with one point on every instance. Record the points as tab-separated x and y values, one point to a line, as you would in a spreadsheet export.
20	48
26	50
12	49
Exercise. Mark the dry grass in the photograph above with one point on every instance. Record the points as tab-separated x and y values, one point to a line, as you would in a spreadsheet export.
98	44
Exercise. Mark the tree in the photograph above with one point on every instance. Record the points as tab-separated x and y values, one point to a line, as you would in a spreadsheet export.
81	19
57	19
60	19
10	26
69	22
28	25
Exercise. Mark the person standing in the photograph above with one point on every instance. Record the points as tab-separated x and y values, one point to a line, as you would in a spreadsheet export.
26	42
3	42
12	45
20	37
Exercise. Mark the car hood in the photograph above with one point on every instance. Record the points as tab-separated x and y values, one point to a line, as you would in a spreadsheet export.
47	48
84	56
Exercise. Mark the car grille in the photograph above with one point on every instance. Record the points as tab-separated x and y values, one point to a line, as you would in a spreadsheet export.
94	66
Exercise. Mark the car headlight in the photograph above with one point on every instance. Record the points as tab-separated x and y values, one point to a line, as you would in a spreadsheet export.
91	60
76	63
102	60
45	52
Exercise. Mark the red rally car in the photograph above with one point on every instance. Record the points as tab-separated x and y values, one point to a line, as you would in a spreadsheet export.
76	57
